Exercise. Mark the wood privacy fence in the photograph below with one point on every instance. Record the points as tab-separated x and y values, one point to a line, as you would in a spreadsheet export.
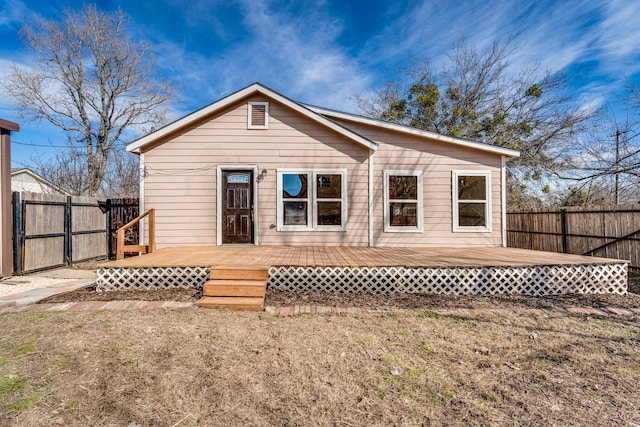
604	231
51	230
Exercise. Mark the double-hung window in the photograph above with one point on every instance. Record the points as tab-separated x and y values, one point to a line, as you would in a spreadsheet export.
472	201
403	201
312	200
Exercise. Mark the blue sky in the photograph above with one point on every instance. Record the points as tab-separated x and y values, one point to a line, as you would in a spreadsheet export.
321	52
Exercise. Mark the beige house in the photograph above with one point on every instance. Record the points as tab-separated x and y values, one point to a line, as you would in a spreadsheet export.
258	168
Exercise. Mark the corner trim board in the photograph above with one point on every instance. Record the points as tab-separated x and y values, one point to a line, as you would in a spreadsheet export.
371	241
141	203
503	201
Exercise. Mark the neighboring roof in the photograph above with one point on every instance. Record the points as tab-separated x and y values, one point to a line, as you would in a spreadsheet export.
18	171
256	88
413	131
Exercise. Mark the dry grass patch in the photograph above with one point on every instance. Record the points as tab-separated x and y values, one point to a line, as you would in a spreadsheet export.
207	367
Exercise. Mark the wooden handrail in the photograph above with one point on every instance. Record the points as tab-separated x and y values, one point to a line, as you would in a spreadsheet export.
122	248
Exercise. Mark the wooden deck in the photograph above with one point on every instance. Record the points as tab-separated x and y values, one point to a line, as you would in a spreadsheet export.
318	256
460	271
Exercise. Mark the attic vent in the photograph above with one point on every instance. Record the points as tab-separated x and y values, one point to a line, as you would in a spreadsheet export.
258	115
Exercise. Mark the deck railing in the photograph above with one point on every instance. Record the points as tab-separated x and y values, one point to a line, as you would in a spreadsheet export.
123	248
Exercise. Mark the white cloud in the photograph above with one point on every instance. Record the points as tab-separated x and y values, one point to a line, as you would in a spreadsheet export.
299	55
619	38
12	12
294	54
297	49
22	60
430	29
598	39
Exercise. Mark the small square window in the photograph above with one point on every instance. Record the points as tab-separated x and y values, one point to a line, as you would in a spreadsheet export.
258	115
329	186
295	213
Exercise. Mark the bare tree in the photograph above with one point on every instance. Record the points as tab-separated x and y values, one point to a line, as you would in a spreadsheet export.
478	96
608	157
68	170
123	176
91	81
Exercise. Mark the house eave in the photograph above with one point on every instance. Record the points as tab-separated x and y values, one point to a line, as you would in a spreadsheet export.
138	146
413	131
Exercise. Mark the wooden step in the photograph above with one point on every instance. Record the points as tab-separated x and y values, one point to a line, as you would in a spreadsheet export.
235	288
232	303
238	272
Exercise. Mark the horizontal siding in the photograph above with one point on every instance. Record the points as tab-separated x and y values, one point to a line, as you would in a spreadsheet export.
180	179
181	176
436	160
258	150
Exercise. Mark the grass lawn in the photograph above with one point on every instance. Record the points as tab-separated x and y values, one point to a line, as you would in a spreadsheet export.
206	367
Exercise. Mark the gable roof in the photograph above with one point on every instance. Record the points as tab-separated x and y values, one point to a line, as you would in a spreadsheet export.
15	172
256	88
320	115
413	131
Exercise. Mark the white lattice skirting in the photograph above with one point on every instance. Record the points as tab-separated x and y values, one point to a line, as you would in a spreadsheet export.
531	280
534	280
151	278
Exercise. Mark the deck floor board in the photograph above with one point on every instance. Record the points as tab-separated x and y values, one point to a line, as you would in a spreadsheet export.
331	256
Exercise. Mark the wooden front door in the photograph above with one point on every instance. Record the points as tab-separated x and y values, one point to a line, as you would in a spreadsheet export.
237	206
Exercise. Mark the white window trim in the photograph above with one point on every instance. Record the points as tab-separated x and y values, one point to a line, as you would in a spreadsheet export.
266	115
456	219
312	199
387	215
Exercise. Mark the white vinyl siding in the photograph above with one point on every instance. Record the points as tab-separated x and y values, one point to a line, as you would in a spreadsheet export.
471	201
403	207
312	200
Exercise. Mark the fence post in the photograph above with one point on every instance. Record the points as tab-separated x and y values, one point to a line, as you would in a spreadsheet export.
564	225
68	235
108	227
18	234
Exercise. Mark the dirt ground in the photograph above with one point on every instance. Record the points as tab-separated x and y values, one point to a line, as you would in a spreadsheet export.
402	301
90	294
193	366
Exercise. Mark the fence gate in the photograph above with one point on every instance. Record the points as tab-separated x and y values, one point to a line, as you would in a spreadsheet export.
119	212
52	231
